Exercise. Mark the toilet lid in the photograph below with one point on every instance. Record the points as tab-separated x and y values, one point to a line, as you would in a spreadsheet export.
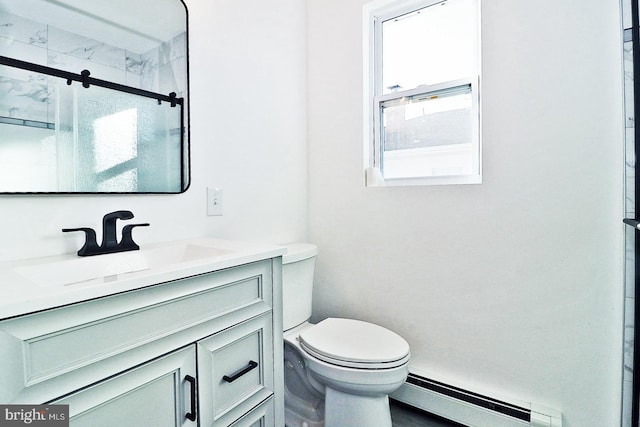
353	343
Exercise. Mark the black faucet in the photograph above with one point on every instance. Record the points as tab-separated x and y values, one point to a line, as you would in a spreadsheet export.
110	242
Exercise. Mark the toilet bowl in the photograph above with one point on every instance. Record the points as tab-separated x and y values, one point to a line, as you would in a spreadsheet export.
338	372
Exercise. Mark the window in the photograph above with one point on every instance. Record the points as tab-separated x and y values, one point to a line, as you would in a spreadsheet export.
422	116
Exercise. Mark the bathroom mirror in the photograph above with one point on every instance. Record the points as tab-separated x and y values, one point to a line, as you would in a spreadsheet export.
93	96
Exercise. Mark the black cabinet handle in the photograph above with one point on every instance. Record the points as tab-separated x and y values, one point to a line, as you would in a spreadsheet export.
191	415
241	372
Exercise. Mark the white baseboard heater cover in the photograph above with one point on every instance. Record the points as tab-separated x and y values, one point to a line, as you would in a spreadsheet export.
472	409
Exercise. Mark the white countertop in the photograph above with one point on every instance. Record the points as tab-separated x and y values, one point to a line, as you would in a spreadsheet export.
37	284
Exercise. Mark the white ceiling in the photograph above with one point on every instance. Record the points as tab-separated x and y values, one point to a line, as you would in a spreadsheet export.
136	25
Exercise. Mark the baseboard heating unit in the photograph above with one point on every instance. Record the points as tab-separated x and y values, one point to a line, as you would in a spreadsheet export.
472	409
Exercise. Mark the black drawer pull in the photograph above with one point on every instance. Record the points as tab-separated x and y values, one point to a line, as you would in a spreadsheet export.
241	372
191	415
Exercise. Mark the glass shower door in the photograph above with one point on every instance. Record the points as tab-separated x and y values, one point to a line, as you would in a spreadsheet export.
128	142
631	364
69	133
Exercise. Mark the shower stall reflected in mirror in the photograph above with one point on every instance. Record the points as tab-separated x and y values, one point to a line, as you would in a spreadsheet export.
97	107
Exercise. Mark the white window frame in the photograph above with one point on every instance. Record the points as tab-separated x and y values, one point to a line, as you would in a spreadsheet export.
374	14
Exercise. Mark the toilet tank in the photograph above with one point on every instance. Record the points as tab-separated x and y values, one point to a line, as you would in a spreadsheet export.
297	283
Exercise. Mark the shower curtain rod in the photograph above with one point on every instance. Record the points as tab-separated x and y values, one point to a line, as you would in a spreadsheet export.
87	81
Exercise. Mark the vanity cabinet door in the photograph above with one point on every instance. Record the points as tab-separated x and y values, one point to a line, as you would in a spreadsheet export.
261	416
161	393
236	371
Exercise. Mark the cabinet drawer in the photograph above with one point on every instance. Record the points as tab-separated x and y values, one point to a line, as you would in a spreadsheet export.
76	345
236	371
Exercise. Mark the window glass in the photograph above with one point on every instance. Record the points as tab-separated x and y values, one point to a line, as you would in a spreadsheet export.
431	45
428	136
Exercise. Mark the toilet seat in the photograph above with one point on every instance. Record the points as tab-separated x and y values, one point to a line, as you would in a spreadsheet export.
355	344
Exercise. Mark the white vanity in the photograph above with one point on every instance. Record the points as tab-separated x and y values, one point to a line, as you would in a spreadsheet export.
181	334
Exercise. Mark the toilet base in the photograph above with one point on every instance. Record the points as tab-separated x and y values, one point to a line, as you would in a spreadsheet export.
349	410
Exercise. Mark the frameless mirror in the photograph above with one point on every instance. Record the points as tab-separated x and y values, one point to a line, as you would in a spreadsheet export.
93	96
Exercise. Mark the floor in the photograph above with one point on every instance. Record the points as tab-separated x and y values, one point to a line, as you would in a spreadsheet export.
406	416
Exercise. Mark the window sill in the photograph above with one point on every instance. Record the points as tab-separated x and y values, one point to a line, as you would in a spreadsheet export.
373	178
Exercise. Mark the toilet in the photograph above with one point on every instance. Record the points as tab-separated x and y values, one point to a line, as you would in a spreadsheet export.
338	372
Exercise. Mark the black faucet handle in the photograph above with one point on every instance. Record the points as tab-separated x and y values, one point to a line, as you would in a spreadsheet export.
90	246
127	243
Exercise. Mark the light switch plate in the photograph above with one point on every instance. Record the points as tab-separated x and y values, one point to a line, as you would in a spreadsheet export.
214	201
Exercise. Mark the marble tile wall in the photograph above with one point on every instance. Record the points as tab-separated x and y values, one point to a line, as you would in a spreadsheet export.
28	95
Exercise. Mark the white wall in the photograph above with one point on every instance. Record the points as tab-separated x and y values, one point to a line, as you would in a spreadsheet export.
247	136
511	287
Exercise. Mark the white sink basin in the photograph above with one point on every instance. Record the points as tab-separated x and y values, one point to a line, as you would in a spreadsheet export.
179	253
79	270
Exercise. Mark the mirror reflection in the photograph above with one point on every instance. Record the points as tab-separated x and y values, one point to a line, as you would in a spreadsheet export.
93	96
